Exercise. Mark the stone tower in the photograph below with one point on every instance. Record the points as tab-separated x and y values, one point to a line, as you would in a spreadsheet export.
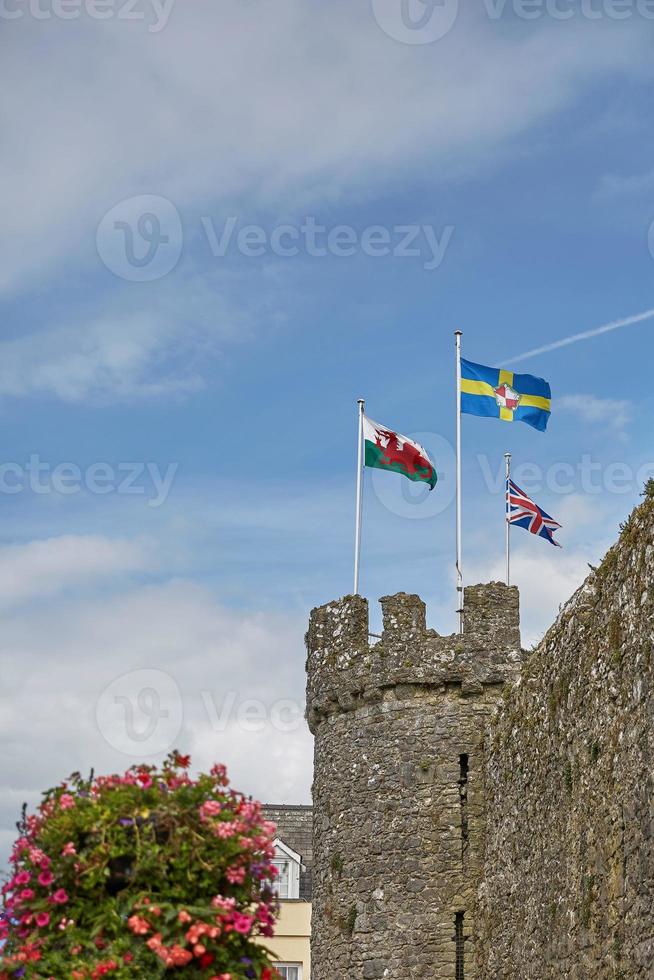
398	785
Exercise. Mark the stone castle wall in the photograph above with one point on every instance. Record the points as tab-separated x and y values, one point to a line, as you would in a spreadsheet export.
398	784
568	889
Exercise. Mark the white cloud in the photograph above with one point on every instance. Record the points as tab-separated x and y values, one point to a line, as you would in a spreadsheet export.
613	413
45	568
109	357
118	351
576	510
271	100
545	580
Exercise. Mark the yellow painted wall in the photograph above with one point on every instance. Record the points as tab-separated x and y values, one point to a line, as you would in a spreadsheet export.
290	944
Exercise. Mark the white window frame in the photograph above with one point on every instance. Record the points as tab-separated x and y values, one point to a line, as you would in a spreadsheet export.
286	855
287	966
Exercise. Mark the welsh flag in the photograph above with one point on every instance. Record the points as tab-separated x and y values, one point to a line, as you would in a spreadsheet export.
388	450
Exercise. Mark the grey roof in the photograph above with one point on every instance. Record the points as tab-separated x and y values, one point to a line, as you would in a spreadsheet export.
295	828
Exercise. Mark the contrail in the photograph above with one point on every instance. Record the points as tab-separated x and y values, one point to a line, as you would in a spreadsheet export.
586	335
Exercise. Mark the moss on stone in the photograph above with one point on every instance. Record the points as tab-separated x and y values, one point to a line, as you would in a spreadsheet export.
337	863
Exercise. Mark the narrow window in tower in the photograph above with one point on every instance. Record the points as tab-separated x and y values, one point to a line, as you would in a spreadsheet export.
463	799
459	939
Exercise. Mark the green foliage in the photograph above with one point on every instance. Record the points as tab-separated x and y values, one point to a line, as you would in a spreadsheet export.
609	563
131	875
648	491
631	530
337	864
348	922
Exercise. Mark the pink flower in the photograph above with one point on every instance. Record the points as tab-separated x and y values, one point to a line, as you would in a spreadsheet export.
60	897
219	773
224	904
227	829
68	850
26	895
236	876
46	878
139	925
242	923
66	801
211	808
43	920
23	878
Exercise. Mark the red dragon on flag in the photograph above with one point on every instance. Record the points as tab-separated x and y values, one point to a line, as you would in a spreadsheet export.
388	450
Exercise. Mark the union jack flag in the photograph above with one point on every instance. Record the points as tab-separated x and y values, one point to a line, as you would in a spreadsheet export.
522	510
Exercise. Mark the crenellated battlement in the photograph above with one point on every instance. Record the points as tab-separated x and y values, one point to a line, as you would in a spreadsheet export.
345	669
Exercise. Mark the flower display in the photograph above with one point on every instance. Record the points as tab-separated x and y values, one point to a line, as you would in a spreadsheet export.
140	874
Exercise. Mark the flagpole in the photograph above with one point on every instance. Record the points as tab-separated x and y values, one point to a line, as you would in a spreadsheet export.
359	501
459	566
507	513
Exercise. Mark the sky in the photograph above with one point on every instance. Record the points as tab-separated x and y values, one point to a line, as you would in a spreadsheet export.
222	224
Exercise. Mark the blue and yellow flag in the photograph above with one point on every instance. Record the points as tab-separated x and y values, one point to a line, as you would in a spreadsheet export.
499	394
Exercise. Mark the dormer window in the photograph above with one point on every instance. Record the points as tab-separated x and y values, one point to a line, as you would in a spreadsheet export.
288	864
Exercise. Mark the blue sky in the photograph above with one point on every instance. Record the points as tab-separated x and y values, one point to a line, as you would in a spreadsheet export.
525	147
